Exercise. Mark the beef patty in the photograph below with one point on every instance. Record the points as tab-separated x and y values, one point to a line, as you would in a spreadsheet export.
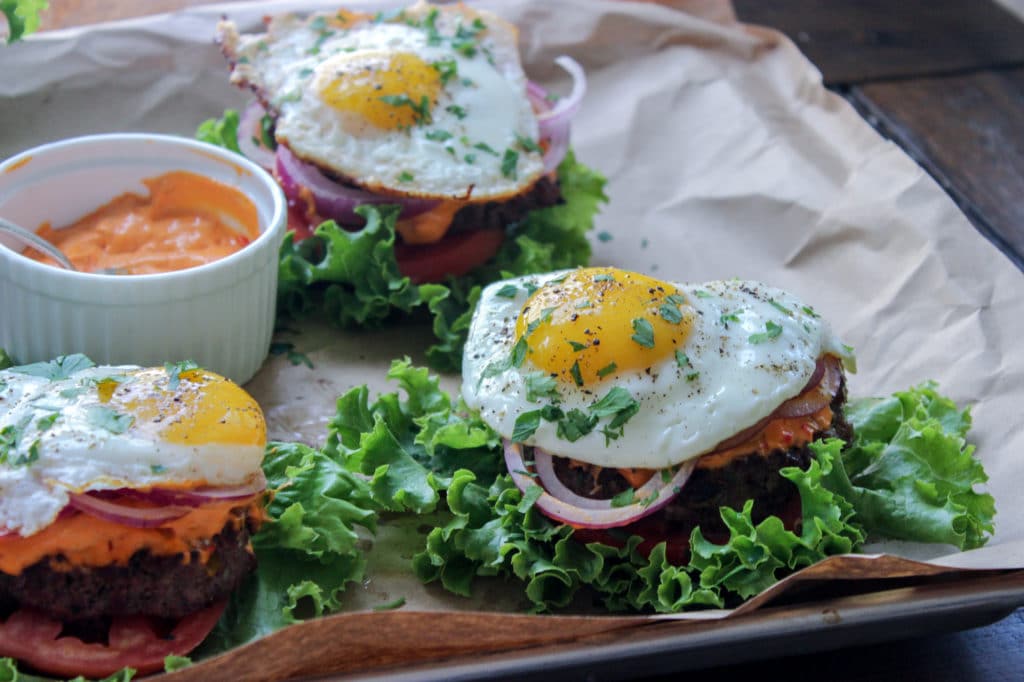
753	477
163	586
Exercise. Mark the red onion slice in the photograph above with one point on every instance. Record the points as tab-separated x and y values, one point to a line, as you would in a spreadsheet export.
819	392
554	122
592	516
144	517
250	136
332	199
196	496
818	396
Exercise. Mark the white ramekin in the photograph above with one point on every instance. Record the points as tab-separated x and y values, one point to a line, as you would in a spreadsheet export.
221	315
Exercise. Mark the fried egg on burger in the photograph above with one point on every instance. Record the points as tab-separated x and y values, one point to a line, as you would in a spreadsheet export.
126	495
427	107
624	396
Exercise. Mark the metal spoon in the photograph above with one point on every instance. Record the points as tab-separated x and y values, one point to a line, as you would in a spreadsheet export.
30	238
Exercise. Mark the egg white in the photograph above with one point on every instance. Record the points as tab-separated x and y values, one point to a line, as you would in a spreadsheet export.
288	63
728	383
72	453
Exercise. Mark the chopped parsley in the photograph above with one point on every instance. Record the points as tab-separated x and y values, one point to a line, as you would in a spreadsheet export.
607	369
508	291
810	311
603	277
643	333
771	331
526	425
649	500
420	110
692	376
174	371
584	304
624	499
484	147
44	423
604	236
781	308
446	69
61	368
670	313
541	385
393	604
109	419
575	424
519	352
456	110
676	299
438	135
406	176
577	346
575	372
726	318
700	293
681	358
157	468
509	162
527	145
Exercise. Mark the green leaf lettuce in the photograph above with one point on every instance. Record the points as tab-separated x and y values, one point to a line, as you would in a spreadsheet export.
907	475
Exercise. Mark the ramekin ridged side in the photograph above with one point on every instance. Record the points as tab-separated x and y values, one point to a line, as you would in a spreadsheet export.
220	315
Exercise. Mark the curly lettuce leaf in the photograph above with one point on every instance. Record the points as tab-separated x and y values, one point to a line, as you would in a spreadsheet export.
411	448
910	474
422	444
222	131
22	17
307	553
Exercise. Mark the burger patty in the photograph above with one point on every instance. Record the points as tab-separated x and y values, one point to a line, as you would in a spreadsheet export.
545	192
163	586
753	477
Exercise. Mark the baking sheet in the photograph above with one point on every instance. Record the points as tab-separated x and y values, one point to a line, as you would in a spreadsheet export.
725	158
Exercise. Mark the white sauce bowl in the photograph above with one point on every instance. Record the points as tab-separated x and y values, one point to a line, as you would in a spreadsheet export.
221	315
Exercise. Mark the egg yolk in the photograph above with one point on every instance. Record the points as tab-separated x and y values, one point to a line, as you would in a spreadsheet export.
391	90
598	322
199	408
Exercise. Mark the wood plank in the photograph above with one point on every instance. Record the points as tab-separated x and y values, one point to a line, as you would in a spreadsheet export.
853	41
968	132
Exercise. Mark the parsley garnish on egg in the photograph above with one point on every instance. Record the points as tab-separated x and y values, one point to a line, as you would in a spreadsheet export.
643	332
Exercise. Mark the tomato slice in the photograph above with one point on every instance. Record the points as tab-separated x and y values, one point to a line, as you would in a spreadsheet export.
454	255
133	642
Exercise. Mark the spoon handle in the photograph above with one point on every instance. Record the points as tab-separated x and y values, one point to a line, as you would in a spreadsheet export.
30	238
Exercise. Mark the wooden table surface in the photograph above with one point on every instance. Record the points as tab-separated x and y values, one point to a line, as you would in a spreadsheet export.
944	79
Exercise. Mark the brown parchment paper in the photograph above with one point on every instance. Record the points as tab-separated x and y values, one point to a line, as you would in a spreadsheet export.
725	158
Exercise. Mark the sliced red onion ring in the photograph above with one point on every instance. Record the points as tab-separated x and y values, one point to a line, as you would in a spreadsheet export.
198	496
334	200
818	393
144	517
592	516
250	136
818	396
554	122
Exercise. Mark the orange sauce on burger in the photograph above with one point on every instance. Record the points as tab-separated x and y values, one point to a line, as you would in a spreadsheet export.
186	221
81	540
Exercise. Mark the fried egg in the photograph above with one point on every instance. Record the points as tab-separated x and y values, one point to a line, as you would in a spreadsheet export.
428	102
619	369
104	428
